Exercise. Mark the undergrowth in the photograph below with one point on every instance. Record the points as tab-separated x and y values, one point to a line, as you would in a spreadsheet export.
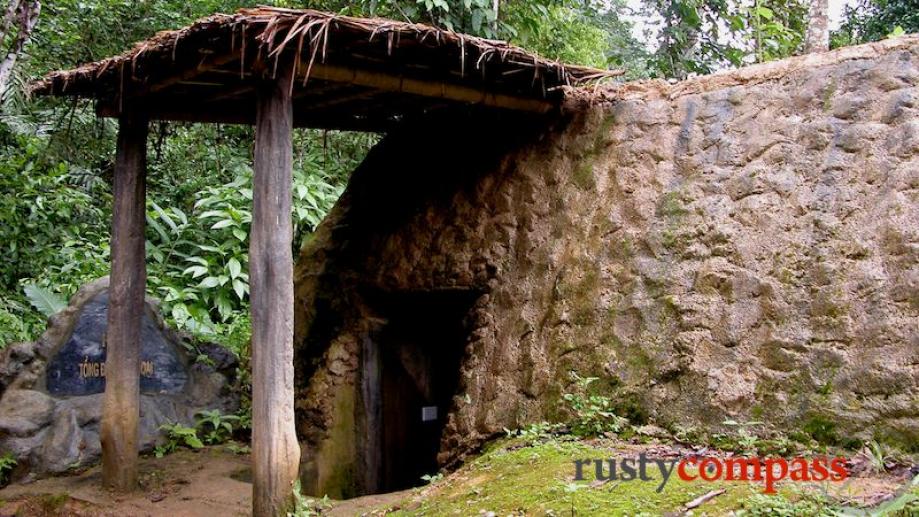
211	428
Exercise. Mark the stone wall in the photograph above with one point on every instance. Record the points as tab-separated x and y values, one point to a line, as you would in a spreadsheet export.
744	246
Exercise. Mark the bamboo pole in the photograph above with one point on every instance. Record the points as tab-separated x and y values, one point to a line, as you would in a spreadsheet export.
121	402
424	88
275	451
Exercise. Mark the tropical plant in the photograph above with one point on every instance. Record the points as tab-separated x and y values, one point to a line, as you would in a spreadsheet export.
538	432
199	261
872	20
771	29
215	427
593	414
177	435
432	478
307	506
7	464
17	322
45	301
745	440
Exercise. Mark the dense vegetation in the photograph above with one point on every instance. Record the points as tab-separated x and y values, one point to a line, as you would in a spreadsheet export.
56	157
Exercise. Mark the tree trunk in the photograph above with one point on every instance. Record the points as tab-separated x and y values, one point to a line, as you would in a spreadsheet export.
275	451
11	9
28	17
817	38
121	403
495	6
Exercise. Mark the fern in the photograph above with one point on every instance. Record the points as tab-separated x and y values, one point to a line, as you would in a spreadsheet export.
45	301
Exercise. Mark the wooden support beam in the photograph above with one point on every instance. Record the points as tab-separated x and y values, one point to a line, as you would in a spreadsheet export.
232	111
424	88
207	63
275	451
121	402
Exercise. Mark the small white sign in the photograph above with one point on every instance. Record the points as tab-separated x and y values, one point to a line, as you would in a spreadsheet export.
428	413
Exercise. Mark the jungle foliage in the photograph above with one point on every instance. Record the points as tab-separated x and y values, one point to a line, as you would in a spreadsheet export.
56	157
872	20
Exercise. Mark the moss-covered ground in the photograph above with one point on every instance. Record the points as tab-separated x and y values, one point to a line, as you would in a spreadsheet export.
513	478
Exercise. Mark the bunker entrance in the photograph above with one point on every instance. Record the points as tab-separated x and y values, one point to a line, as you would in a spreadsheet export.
411	373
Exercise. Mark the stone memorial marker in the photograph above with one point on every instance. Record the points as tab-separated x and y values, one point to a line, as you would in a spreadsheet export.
51	390
78	367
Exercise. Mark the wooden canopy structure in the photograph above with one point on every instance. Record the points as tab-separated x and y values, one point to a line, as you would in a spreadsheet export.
276	69
349	73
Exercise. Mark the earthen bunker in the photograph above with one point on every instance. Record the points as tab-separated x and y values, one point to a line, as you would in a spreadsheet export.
743	245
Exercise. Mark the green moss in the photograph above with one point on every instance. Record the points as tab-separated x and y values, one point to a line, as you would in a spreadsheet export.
827	387
638	360
821	429
583	175
669	239
53	503
606	124
581	297
826	304
336	456
629	405
671	205
537	480
828	95
897	439
785	275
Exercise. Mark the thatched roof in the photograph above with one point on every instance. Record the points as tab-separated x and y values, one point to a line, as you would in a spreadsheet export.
351	73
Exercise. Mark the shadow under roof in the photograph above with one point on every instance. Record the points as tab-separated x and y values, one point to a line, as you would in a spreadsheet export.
363	74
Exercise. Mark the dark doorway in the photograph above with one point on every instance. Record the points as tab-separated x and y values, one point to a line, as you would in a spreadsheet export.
411	373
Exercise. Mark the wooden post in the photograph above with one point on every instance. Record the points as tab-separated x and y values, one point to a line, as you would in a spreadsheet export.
275	451
121	403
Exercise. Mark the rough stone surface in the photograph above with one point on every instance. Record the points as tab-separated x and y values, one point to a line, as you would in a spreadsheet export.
742	246
24	412
55	432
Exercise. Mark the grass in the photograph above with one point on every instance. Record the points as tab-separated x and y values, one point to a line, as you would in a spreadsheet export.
515	479
532	472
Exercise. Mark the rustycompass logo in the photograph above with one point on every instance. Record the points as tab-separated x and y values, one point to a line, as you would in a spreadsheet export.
767	471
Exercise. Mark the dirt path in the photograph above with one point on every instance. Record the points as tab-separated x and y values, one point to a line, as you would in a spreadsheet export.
366	504
186	483
211	482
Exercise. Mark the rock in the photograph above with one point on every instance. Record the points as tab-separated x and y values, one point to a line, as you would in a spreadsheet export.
653	431
88	409
63	448
51	409
13	360
23	412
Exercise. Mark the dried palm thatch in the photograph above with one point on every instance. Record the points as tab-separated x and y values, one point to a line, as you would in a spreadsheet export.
377	65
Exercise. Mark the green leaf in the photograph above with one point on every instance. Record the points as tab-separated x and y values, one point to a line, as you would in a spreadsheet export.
477	17
213	213
239	288
194	442
195	271
45	301
209	282
223	224
165	217
234	266
158	228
